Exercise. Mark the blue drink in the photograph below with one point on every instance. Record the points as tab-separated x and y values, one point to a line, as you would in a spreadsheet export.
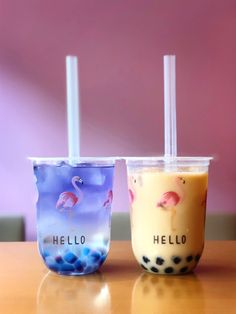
74	214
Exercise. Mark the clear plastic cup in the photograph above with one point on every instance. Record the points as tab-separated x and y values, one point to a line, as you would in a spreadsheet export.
168	207
74	212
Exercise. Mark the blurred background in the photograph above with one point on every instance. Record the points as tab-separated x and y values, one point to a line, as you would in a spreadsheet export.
120	45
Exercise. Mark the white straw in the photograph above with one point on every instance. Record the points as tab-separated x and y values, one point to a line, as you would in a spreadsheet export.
73	111
170	106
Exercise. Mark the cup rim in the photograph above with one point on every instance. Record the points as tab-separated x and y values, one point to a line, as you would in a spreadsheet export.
171	161
128	159
103	161
169	158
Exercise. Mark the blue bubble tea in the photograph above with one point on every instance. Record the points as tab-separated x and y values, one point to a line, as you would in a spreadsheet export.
74	214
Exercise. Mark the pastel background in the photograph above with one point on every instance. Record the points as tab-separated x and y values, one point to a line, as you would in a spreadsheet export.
120	45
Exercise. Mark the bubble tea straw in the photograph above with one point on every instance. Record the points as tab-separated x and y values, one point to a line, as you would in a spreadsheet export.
170	107
73	113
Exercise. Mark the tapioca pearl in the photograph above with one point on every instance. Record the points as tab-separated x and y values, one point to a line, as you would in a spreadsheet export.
146	259
143	267
154	269
176	259
67	267
86	251
53	267
95	256
169	270
79	266
59	259
189	258
160	261
80	262
70	258
183	269
197	257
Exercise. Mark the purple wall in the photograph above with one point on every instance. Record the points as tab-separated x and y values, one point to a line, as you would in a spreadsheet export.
120	45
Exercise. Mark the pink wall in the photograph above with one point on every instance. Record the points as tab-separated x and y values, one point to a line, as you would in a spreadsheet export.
120	45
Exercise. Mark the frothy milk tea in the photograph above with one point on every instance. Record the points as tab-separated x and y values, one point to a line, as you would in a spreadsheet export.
168	217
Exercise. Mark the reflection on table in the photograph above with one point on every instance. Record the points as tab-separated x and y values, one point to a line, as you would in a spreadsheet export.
161	294
85	294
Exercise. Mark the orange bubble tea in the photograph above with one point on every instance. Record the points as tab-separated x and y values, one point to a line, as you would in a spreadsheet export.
168	206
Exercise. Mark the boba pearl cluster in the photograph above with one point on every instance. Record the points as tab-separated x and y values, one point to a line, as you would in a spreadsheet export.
86	261
174	265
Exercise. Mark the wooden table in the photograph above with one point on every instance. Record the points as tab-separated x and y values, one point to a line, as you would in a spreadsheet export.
26	286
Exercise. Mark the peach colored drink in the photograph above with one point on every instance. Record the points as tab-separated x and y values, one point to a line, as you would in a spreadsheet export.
168	205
